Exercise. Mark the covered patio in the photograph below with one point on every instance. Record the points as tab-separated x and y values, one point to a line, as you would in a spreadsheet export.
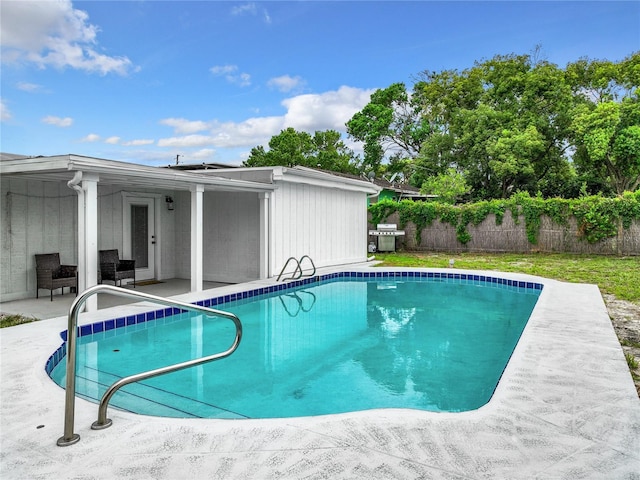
78	205
229	225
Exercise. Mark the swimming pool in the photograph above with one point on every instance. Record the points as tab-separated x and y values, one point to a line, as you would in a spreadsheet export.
330	344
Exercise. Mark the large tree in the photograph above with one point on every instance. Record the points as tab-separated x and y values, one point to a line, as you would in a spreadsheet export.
325	150
503	122
390	125
606	124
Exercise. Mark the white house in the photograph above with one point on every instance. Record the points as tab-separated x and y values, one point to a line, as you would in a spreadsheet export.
229	225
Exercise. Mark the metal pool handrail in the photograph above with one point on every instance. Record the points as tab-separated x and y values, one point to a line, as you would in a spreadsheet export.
297	273
69	438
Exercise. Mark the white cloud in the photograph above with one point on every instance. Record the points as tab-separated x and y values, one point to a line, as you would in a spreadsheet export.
251	9
112	140
329	110
5	114
29	87
57	121
54	34
223	69
247	8
182	125
203	155
186	141
134	143
230	73
285	83
92	137
244	80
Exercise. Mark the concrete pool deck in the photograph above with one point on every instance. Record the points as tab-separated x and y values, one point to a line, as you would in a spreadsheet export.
566	407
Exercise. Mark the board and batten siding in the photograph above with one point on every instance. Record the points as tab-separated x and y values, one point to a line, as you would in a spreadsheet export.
231	237
42	217
36	217
329	225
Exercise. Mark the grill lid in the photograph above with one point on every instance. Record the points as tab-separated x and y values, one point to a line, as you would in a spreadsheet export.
386	227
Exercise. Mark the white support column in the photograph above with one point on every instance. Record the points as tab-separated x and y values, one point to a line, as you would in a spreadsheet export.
197	195
271	233
265	227
90	244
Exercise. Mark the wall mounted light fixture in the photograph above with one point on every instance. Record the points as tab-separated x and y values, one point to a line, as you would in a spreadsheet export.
169	201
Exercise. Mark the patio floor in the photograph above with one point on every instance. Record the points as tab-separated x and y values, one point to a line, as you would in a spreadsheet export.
566	407
43	307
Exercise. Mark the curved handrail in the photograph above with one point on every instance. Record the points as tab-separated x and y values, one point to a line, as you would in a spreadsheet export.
69	438
294	272
312	264
297	273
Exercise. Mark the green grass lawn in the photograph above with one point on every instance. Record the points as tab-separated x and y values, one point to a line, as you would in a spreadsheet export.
619	276
14	319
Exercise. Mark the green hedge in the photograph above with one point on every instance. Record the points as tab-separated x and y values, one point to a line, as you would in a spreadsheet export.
597	217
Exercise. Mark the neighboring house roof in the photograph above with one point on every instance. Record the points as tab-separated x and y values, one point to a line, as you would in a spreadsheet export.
401	190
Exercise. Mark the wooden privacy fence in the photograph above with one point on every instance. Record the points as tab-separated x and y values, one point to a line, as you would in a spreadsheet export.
511	236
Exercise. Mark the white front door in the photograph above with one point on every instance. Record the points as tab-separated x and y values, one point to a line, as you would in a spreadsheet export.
140	234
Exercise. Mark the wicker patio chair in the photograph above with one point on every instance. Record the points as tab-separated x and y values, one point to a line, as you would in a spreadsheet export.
114	269
51	275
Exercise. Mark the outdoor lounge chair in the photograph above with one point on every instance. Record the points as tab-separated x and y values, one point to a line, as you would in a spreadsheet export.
51	275
114	269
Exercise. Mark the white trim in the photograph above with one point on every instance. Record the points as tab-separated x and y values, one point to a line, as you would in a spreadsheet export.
297	174
153	201
265	240
197	234
90	187
111	171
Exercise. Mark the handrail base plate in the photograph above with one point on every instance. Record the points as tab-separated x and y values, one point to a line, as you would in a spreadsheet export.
63	442
101	426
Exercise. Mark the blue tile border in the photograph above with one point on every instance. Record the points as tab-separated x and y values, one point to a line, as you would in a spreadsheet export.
108	327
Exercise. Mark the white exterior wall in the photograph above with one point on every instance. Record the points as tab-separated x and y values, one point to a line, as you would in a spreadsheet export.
36	217
182	234
41	217
111	225
329	225
231	236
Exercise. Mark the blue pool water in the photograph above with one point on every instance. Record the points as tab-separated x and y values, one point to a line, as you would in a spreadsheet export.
339	345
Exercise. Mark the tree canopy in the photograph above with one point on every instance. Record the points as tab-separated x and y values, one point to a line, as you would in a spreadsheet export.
606	121
513	123
324	150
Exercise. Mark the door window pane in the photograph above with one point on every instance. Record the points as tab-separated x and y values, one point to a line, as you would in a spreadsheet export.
140	235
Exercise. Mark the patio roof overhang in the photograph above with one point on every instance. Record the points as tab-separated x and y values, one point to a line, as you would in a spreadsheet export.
110	172
299	174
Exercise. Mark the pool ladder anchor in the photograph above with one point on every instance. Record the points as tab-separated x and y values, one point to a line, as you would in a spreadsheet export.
297	272
69	437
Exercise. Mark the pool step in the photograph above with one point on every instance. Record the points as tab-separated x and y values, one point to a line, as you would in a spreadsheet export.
146	398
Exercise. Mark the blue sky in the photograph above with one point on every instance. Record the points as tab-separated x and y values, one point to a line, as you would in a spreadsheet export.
145	81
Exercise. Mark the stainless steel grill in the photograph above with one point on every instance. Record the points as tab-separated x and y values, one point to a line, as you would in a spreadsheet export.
386	234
